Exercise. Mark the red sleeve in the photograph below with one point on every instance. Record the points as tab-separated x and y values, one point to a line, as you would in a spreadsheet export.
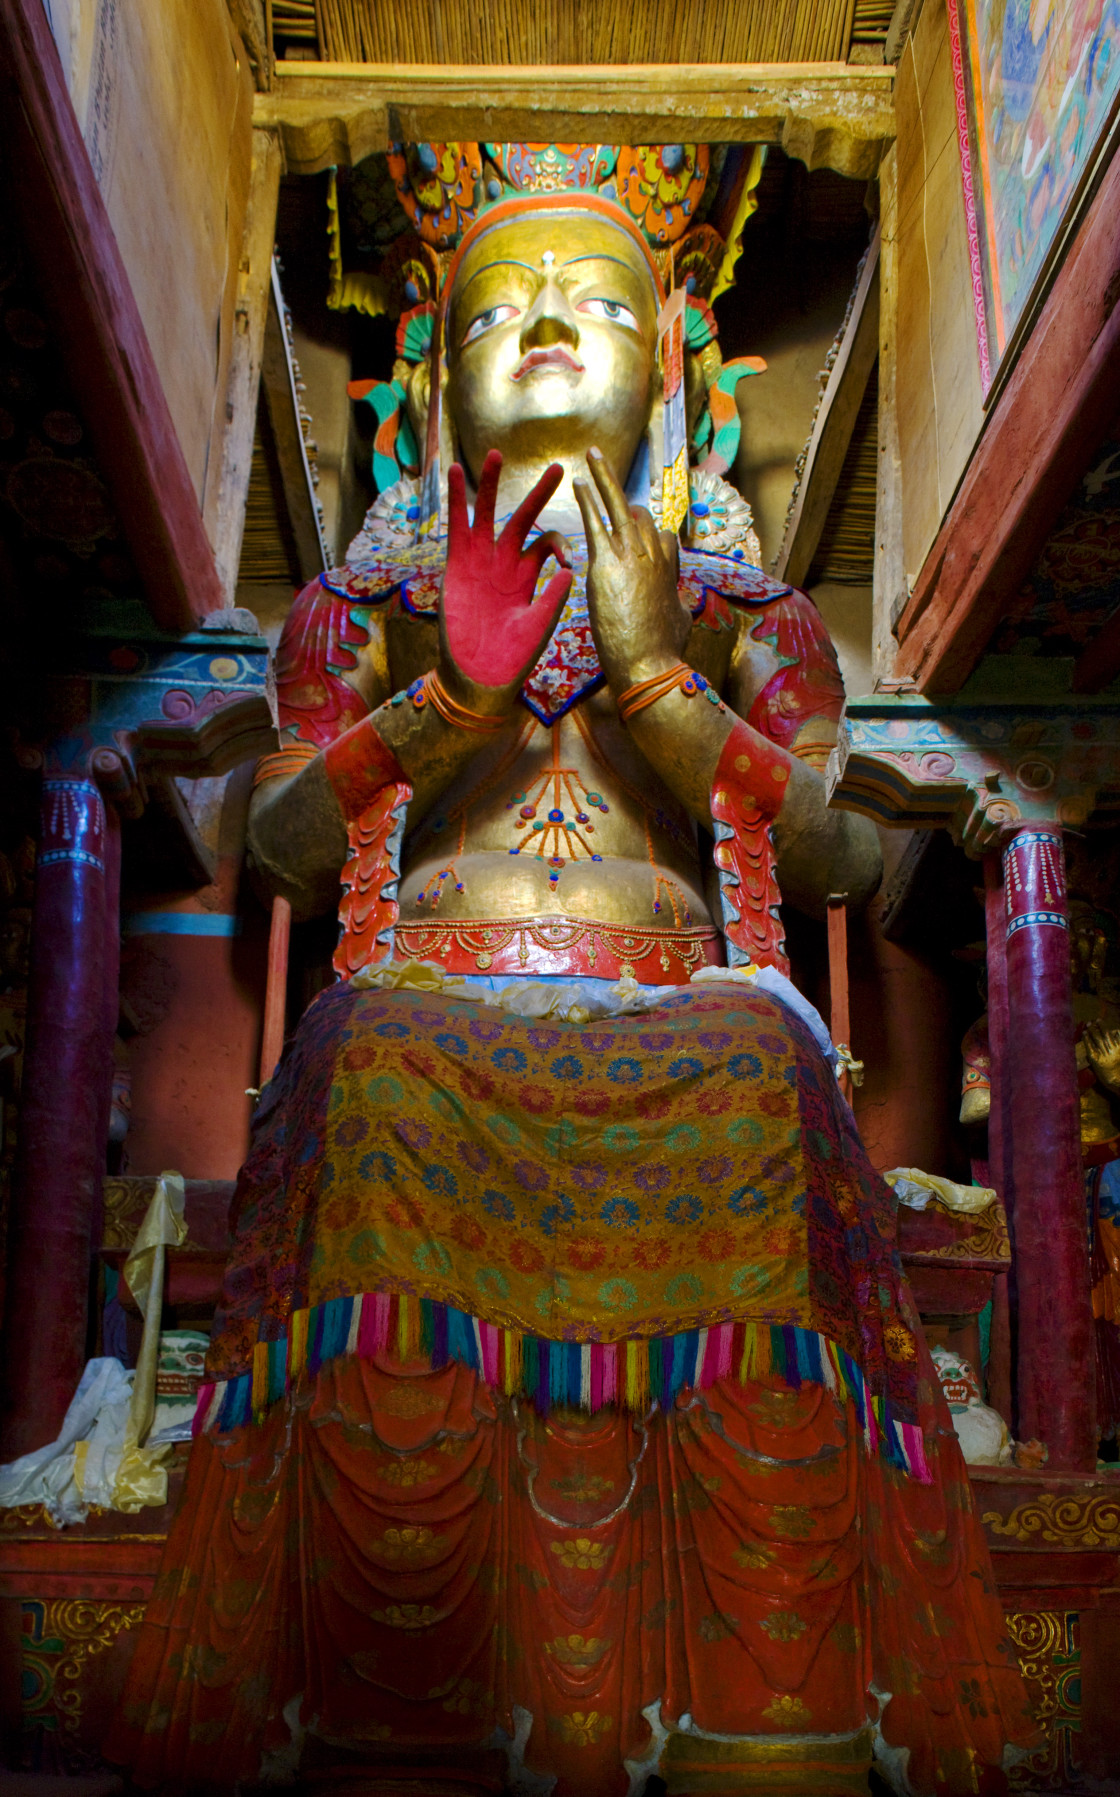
316	649
808	684
747	793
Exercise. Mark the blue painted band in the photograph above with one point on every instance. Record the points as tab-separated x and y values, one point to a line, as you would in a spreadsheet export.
180	923
82	856
1054	918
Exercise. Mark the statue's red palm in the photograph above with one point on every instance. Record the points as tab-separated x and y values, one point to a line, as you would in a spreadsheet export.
493	628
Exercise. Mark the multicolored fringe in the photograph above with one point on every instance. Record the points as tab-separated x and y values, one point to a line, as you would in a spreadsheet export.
627	1375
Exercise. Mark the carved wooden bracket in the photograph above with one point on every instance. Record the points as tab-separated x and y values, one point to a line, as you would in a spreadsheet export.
192	706
907	760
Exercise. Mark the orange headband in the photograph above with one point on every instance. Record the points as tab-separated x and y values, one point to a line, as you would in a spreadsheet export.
518	206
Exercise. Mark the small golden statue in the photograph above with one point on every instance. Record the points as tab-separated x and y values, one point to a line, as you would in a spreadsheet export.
568	1424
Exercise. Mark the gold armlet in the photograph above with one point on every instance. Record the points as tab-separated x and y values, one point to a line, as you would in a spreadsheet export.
432	690
647	692
287	760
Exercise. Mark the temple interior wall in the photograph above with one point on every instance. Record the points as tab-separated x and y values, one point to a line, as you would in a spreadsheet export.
938	399
164	95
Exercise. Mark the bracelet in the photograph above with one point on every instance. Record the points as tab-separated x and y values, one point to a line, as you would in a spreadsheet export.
647	692
287	760
431	688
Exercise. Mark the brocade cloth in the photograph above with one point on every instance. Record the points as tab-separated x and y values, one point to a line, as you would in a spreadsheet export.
630	1178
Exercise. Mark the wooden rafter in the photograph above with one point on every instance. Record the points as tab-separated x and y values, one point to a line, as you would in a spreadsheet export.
278	381
833	426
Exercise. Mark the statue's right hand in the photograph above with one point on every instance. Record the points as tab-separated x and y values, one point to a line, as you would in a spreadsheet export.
492	630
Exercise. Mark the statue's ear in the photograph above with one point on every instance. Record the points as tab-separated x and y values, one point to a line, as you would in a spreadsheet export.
417	389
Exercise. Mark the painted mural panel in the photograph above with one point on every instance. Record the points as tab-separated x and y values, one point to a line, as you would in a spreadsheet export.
1038	85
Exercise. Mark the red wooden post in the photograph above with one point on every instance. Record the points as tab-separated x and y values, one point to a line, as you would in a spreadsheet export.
61	1159
1042	1157
839	1023
276	991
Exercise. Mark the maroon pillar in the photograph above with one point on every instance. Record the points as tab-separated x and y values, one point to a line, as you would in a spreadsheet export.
1042	1158
999	1392
61	1157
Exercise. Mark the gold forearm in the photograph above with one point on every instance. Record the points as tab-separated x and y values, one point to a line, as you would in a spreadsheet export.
819	851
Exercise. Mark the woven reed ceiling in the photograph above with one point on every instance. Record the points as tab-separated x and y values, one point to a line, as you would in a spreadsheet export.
519	32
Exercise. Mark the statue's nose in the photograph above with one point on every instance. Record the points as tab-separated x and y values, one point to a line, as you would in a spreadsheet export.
550	319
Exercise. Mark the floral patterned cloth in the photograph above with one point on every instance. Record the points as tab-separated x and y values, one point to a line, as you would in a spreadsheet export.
626	1178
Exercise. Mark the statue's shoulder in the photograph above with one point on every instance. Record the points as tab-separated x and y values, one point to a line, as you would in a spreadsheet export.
721	557
730	576
386	561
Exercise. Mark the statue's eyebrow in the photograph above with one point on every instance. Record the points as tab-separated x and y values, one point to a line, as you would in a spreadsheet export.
499	262
598	256
530	268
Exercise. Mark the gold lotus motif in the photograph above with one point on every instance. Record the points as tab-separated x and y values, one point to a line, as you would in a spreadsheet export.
793	1520
787	1712
578	1650
410	1401
583	1728
582	1554
783	1625
754	1556
409	1472
409	1546
407	1616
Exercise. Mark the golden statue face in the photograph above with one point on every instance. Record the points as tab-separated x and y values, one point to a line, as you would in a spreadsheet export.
552	342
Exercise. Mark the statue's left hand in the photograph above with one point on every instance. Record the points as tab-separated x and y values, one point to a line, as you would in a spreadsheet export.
491	629
1102	1046
639	624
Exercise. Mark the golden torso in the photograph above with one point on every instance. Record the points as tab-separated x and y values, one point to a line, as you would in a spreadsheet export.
489	848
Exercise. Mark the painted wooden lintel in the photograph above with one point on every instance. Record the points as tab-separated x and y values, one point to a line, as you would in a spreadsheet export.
826	114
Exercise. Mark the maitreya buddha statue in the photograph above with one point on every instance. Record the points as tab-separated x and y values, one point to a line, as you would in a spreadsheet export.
568	1425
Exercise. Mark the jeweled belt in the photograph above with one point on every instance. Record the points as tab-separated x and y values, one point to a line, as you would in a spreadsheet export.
563	945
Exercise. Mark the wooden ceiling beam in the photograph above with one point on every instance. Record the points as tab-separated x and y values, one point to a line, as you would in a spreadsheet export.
56	209
827	114
833	426
1061	397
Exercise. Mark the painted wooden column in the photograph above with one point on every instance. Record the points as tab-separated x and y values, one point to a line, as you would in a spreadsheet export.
1000	1369
67	1072
1007	773
1042	1154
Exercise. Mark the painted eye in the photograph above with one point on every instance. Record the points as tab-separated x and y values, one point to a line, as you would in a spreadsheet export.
487	320
612	310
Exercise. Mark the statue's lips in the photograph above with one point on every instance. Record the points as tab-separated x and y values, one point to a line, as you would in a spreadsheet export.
555	357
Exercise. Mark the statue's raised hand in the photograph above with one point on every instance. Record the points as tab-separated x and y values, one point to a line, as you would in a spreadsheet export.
639	624
491	629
